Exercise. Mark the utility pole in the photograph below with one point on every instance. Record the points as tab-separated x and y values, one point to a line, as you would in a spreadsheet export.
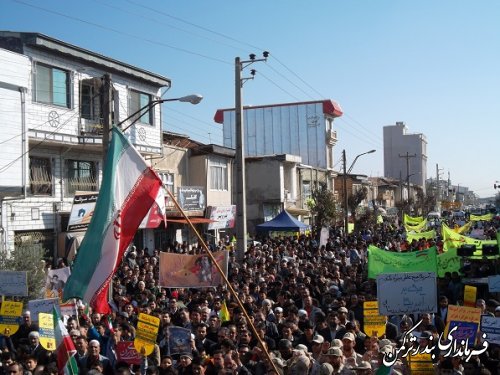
241	202
107	122
438	187
407	157
344	186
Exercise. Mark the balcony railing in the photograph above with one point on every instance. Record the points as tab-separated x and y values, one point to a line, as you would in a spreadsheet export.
91	127
331	137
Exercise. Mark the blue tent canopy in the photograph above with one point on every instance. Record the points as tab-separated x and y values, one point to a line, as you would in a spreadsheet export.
284	222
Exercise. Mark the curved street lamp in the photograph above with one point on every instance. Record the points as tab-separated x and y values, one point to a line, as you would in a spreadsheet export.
344	186
193	99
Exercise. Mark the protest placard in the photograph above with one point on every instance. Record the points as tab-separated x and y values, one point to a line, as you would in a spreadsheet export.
55	281
179	340
13	283
46	331
467	320
191	271
407	293
491	326
37	306
373	322
383	261
494	284
147	330
470	293
421	364
125	351
10	317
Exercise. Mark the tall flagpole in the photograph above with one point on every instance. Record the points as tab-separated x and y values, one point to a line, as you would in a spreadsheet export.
230	287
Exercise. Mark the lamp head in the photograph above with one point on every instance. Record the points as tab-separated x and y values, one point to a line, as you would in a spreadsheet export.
193	99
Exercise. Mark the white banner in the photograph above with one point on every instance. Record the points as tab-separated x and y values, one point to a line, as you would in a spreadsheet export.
223	217
37	306
491	326
406	293
14	283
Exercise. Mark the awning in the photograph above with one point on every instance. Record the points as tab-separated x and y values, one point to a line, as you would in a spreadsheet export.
194	220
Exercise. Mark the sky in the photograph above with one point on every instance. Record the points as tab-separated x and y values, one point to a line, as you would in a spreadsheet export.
434	65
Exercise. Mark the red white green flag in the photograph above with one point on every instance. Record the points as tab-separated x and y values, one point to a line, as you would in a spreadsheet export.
129	189
66	362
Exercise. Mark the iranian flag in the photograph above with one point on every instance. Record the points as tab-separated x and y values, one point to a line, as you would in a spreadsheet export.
129	189
66	362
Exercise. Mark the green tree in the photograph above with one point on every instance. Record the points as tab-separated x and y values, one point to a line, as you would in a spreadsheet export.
28	258
424	203
354	200
323	207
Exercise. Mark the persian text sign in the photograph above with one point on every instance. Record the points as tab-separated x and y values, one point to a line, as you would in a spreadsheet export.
223	217
467	320
191	198
10	317
494	283
14	283
46	330
82	210
382	261
147	330
126	352
373	322
407	293
491	326
37	306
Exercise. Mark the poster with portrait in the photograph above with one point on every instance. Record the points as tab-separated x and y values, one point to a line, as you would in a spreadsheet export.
191	271
55	282
179	340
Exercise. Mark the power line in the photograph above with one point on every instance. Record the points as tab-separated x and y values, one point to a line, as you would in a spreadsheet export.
123	33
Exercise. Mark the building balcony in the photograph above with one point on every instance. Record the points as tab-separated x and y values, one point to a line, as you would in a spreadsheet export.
331	137
91	127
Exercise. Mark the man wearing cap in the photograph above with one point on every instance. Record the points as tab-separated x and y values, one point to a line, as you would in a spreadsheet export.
317	346
351	358
364	368
335	358
185	364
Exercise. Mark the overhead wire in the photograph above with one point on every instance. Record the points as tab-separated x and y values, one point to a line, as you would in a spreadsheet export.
188	51
151	41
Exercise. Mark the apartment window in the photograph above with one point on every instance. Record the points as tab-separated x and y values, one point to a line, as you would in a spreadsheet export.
168	181
137	101
40	176
218	175
89	102
52	86
306	190
81	176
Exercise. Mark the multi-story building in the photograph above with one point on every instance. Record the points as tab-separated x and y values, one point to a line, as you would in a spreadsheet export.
51	112
199	177
405	154
293	144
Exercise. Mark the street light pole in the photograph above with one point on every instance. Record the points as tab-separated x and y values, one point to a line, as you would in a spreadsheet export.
344	185
193	99
241	202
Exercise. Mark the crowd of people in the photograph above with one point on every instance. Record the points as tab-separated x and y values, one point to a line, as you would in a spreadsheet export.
302	300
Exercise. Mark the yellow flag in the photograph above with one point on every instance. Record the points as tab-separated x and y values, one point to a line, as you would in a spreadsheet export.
224	313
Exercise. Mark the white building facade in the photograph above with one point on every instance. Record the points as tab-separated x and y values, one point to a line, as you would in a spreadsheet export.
51	110
405	155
